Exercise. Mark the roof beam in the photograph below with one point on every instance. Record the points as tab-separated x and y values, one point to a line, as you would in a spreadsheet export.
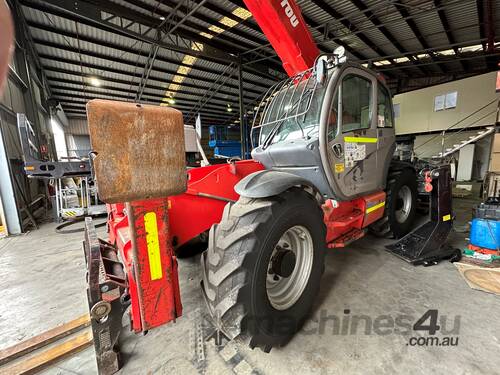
127	50
446	26
129	95
163	87
485	10
126	83
217	36
137	74
480	16
348	25
328	35
120	95
70	109
414	28
204	18
211	51
461	58
90	13
379	24
78	101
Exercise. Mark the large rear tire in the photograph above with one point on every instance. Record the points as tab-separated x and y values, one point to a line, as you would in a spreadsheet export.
401	204
263	267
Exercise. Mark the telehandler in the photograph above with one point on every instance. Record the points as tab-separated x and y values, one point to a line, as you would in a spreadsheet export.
322	175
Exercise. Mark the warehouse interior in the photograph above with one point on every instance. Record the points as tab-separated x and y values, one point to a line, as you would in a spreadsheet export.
204	80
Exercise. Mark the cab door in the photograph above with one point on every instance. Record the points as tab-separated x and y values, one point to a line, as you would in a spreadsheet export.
351	139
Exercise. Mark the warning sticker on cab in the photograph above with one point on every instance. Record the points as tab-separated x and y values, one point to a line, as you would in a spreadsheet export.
354	152
339	167
447	217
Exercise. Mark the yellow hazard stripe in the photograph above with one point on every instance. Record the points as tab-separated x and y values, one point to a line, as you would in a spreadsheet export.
360	139
376	207
153	245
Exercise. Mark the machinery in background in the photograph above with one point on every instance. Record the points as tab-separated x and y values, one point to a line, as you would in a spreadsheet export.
192	151
76	197
36	164
75	194
223	146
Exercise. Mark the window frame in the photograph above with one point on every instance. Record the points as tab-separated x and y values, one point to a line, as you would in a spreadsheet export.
385	90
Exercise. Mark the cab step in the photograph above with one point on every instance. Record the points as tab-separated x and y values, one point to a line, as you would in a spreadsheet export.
347	238
348	220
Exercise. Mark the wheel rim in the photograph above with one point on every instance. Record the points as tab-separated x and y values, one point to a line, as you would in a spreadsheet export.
283	292
404	203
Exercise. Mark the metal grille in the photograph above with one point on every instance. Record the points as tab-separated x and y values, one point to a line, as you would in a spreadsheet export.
289	100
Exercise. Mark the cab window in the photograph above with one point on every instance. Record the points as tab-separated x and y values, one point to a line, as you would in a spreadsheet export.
384	108
356	100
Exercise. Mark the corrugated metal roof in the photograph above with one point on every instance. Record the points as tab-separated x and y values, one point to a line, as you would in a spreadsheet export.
72	47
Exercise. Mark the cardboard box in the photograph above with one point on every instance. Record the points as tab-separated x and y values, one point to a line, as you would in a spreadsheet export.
496	143
495	162
480	276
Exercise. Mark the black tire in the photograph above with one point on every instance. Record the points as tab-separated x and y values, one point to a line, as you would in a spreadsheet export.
388	226
235	266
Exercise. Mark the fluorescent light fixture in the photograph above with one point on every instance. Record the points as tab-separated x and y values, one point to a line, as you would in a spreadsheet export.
242	13
447	52
95	82
401	59
171	101
423	56
473	48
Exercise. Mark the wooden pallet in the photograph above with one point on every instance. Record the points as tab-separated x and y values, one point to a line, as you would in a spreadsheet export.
28	357
479	275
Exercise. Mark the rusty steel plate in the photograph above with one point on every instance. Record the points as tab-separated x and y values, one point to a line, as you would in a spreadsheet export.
139	150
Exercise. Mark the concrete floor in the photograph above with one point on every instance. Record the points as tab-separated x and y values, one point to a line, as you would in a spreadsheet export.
42	285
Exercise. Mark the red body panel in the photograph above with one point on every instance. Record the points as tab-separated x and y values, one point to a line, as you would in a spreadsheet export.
285	28
193	212
156	302
345	220
155	266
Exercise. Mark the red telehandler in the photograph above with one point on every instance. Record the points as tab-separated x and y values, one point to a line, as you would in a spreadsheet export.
322	174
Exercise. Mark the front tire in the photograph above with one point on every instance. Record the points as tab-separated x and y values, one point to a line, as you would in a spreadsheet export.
263	266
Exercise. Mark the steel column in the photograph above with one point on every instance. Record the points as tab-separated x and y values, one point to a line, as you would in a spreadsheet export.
242	111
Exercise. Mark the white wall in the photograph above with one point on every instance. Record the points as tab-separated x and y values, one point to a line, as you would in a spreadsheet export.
417	113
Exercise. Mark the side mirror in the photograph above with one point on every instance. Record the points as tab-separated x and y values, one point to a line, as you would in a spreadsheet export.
321	70
339	54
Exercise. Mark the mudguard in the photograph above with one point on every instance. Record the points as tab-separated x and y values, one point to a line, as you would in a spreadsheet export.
268	183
